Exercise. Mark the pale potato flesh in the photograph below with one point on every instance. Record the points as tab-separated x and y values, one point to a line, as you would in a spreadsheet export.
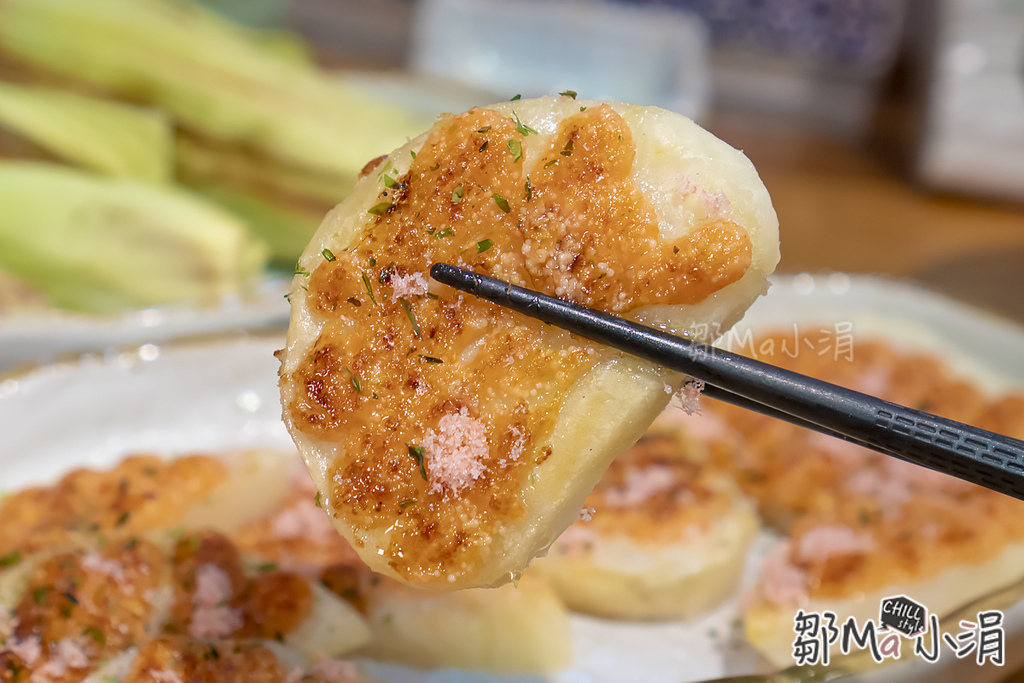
688	184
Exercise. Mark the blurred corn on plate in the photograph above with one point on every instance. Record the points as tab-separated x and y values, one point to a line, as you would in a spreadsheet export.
99	245
140	99
107	137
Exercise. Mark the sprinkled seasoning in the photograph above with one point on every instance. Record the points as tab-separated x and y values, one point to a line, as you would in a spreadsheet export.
419	454
380	209
501	202
412	318
369	287
568	93
457	194
355	381
516	147
483	245
327	254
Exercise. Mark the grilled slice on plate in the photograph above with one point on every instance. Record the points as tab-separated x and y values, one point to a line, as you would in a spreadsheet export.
452	440
664	535
862	526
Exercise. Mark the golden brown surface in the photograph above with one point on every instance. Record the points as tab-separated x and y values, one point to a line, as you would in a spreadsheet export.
198	662
270	604
97	584
142	493
659	490
388	367
896	522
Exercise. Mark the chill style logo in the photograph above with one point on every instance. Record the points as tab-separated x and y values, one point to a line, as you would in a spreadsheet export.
903	626
904	615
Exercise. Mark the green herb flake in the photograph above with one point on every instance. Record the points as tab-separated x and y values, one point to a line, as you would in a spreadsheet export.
10	559
553	161
522	128
412	153
484	129
431	359
501	202
327	254
447	232
419	454
567	150
484	146
97	636
372	262
457	194
390	182
568	93
407	502
70	597
529	189
318	501
39	595
123	518
431	295
355	381
380	209
268	567
483	245
369	288
435	166
299	270
412	318
516	148
515	97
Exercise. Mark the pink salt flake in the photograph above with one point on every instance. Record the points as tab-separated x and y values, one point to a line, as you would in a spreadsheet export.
66	655
783	583
455	452
716	204
211	618
164	676
336	671
28	650
405	286
689	396
107	567
71	654
640	484
576	541
686	186
832	540
303	520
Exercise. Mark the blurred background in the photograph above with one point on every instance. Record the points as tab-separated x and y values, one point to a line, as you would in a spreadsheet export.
163	162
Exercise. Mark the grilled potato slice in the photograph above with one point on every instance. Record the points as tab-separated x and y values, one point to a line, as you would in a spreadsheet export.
452	440
668	538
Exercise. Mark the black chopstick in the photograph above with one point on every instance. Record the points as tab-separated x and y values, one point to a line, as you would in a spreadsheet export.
972	454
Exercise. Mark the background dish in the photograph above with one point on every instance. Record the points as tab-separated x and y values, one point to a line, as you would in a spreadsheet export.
219	395
47	334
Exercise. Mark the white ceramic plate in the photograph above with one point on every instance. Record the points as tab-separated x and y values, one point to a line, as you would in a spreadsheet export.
213	396
49	334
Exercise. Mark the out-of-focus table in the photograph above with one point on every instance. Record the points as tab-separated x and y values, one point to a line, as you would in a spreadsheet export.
842	208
